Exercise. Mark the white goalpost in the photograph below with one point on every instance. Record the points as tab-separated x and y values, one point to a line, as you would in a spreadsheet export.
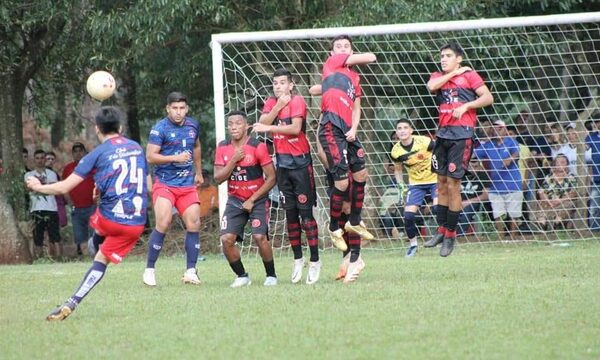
543	71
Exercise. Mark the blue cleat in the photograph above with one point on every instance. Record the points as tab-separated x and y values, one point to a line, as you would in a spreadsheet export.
412	251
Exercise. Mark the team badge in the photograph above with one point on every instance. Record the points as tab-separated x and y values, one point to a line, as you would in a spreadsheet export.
360	153
452	167
302	199
255	223
192	134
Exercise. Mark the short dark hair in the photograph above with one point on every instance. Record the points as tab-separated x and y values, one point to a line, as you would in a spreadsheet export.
404	121
563	156
176	96
455	47
25	151
108	120
282	72
51	153
340	37
238	112
39	151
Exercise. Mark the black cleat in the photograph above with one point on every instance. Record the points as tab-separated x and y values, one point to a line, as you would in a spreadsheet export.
447	246
61	312
434	241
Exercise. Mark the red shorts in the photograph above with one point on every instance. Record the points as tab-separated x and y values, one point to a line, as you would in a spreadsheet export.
119	238
180	197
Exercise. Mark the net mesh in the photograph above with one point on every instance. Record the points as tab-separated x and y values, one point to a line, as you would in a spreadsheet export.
544	81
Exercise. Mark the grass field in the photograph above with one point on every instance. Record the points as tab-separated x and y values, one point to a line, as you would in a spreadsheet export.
493	302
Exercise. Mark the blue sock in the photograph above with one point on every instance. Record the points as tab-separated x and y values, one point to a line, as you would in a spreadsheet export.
192	247
154	246
91	278
409	224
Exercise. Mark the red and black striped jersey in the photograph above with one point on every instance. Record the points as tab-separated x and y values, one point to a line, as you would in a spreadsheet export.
456	92
247	176
292	151
340	87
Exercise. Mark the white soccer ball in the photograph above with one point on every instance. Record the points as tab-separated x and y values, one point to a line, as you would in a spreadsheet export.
101	85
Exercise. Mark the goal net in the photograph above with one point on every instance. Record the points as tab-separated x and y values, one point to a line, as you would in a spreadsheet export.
543	73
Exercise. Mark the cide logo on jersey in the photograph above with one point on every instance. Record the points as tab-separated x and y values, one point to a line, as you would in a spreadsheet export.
302	199
192	134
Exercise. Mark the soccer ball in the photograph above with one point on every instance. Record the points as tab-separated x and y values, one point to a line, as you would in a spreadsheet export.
100	85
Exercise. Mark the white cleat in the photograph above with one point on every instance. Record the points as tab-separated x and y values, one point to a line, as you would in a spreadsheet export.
241	281
314	271
190	277
270	281
297	271
354	269
149	278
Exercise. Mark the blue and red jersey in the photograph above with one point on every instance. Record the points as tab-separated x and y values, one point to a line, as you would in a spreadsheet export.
456	92
292	151
120	178
174	139
247	176
340	87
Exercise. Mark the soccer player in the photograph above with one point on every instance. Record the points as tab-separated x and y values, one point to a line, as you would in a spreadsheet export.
174	150
120	176
414	153
295	178
242	161
459	92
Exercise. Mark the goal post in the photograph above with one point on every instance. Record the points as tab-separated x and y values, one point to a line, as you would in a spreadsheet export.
546	67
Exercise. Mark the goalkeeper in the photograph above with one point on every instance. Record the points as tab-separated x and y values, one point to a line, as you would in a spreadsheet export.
414	154
459	91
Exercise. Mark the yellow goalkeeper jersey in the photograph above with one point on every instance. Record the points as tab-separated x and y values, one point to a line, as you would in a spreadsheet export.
416	159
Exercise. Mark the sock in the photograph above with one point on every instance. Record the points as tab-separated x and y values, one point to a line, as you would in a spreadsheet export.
154	246
335	208
452	222
192	247
270	268
358	195
311	230
91	278
293	229
413	242
354	246
97	240
342	222
238	268
442	217
409	224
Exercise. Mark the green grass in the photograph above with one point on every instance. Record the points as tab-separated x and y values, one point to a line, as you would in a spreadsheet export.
493	302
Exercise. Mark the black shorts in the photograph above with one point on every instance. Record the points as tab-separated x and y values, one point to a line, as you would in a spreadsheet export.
297	187
45	221
451	157
341	154
235	218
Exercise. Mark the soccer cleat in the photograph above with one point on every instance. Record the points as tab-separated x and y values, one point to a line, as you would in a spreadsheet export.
90	246
447	246
337	237
241	281
61	312
359	229
297	271
149	278
190	277
314	271
434	241
412	251
354	269
343	267
270	281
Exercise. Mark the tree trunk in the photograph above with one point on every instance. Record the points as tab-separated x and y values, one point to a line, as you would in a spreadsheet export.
13	245
58	127
133	123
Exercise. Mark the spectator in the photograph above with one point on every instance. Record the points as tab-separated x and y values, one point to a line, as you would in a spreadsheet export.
527	166
43	209
506	189
569	147
474	190
557	197
592	142
26	159
389	211
81	198
209	196
60	199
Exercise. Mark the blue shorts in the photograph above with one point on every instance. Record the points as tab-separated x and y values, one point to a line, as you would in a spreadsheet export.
416	194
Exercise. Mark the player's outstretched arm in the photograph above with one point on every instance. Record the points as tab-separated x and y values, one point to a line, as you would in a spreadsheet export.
315	90
57	188
361	59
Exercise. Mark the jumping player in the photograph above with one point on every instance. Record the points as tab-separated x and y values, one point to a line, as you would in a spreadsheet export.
459	92
242	161
414	154
295	178
174	150
120	176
